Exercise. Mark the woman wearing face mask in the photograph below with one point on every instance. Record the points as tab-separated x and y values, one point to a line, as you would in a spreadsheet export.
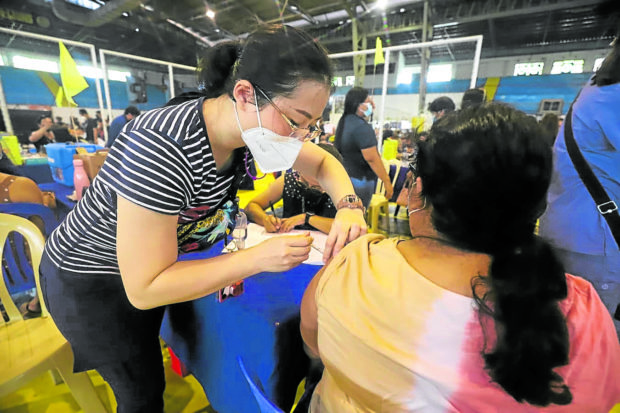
168	186
357	143
305	205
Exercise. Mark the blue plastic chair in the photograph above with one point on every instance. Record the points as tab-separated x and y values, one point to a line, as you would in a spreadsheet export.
264	404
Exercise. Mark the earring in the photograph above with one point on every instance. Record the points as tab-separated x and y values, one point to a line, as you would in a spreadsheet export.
419	209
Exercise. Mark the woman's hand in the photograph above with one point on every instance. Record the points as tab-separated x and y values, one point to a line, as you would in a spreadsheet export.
272	224
283	253
348	225
389	190
289	223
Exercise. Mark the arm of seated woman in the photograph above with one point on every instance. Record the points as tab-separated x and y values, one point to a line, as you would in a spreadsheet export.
255	209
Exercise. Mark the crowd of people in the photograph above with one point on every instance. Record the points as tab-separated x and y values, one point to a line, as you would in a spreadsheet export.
473	312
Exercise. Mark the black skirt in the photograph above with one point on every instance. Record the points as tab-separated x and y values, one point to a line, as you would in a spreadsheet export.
93	313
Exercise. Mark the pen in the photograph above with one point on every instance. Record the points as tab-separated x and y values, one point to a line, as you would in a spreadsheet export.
273	211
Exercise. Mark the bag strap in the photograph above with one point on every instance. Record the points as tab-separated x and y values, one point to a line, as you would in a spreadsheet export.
605	205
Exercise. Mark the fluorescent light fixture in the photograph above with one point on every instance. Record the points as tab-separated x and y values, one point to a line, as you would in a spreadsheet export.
137	29
445	24
125	14
210	14
293	7
381	4
42	65
402	10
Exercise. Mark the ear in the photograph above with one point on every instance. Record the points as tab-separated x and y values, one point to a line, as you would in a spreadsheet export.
244	95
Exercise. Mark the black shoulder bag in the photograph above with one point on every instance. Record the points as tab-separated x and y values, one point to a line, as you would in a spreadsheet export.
605	205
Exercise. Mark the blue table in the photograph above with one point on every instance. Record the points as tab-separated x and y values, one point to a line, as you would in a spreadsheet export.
61	192
209	336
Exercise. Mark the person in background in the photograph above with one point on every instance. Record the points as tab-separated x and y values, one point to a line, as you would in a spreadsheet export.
88	125
441	106
60	123
306	205
572	221
168	186
474	313
550	124
131	112
43	134
473	97
356	141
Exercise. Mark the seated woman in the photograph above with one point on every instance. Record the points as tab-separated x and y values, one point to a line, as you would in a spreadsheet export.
306	205
475	312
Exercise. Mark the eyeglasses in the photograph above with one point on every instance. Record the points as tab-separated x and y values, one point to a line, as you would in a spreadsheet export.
303	134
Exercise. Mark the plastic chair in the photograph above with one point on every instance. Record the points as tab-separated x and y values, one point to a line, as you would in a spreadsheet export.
28	210
379	204
16	268
264	404
31	347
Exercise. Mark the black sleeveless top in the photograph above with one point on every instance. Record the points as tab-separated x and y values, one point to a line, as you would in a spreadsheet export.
298	199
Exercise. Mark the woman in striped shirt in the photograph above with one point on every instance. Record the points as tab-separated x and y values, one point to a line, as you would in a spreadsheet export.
168	186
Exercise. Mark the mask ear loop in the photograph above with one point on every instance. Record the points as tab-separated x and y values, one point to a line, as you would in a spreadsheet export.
247	151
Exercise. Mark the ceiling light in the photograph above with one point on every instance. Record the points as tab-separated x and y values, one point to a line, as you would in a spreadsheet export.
217	30
381	4
340	22
210	14
402	10
125	14
446	24
293	7
137	29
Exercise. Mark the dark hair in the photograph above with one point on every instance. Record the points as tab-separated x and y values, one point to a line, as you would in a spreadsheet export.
83	112
332	151
442	103
550	126
472	97
355	97
609	72
486	172
40	118
132	110
275	58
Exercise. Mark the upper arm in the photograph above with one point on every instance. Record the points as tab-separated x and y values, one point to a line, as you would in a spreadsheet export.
371	154
309	315
272	194
146	244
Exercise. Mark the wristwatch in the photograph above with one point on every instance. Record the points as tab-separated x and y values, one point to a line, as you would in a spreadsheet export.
351	201
307	220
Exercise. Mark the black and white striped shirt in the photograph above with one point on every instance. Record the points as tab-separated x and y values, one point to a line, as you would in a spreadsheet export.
161	161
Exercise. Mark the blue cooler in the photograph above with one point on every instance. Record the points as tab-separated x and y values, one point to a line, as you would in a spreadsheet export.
60	159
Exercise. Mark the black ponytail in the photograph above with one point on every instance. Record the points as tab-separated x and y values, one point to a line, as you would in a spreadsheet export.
486	171
216	68
532	338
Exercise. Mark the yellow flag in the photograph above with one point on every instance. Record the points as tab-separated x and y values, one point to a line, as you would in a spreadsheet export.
72	81
379	52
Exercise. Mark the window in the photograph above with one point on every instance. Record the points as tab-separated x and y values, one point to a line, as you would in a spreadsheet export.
567	66
405	75
597	63
528	69
439	73
349	81
337	81
1	60
118	75
42	65
88	4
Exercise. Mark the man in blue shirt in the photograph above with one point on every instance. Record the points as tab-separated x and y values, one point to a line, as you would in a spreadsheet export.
119	122
572	221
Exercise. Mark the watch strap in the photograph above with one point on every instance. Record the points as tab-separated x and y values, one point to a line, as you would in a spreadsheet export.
351	201
307	220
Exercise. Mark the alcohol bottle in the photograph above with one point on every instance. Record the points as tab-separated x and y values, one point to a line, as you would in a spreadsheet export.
240	232
80	179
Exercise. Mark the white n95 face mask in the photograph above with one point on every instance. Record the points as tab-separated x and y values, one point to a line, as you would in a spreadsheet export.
271	151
